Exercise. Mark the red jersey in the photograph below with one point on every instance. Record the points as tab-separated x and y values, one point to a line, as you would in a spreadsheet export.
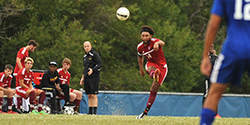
153	56
22	54
26	76
63	76
5	81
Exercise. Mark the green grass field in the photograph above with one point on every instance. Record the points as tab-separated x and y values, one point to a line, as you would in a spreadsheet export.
26	119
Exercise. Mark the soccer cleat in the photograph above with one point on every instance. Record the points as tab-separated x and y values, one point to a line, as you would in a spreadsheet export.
69	104
19	111
156	75
1	112
11	112
33	112
42	113
217	116
142	115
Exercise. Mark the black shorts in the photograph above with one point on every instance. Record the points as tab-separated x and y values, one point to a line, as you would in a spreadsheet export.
91	85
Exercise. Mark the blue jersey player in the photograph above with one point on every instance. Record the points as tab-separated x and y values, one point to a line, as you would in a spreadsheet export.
235	56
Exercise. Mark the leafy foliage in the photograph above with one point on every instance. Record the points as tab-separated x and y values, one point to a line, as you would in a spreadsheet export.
61	26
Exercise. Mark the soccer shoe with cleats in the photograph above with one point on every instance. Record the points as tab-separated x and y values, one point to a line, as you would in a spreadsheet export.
42	113
1	112
33	112
156	75
11	112
142	115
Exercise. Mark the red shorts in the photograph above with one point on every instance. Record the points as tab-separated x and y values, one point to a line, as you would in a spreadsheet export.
22	91
163	69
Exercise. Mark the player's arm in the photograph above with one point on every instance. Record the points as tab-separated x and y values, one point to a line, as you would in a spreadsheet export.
21	83
57	84
140	62
212	29
19	64
158	44
2	89
30	85
98	62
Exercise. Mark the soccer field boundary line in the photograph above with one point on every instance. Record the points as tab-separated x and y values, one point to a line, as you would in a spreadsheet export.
168	93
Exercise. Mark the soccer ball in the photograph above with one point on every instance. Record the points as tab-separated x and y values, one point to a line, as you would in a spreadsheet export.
122	13
68	110
46	109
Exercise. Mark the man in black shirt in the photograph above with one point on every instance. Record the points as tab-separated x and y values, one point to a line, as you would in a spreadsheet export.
91	76
51	80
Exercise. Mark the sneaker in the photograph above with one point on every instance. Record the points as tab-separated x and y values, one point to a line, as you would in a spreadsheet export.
142	115
1	112
217	116
19	111
33	112
76	113
69	104
156	75
11	112
42	113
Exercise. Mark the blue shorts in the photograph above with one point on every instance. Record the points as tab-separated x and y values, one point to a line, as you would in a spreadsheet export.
229	70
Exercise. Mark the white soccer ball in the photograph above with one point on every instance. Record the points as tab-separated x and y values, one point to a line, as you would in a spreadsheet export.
122	13
46	109
68	110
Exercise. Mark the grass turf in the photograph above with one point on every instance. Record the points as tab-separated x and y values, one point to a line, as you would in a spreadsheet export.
26	119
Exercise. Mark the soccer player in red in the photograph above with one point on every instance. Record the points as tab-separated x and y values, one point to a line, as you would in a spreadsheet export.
156	65
22	54
64	76
5	83
25	89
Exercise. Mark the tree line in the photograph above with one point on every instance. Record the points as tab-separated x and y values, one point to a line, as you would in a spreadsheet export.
61	27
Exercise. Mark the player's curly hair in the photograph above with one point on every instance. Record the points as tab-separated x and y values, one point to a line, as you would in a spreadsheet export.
146	28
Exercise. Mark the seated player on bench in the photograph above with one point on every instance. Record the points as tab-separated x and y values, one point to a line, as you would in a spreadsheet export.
5	83
64	76
25	88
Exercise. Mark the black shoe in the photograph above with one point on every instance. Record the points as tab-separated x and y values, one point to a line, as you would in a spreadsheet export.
25	112
69	104
19	111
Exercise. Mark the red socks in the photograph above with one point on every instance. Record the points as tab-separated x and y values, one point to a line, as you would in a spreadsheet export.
41	100
151	73
77	102
9	100
32	96
151	100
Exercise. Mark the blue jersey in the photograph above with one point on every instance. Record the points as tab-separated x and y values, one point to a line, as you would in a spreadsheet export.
237	16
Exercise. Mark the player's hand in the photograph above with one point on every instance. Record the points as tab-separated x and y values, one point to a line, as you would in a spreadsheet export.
90	71
156	46
57	86
205	66
82	81
142	73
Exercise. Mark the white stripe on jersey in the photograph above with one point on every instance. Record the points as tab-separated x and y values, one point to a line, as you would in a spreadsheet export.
1	80
58	70
217	65
138	47
63	79
24	50
23	71
148	52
